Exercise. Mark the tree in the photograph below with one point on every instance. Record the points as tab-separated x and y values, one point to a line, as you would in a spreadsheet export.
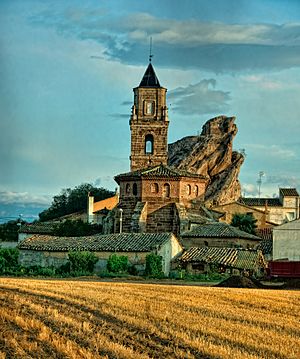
76	228
73	200
9	230
245	222
154	265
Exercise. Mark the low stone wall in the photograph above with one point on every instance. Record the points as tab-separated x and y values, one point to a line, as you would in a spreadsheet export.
28	258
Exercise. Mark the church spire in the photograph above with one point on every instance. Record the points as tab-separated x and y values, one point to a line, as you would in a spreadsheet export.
149	79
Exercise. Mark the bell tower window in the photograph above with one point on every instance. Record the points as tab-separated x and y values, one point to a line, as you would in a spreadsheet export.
149	108
149	142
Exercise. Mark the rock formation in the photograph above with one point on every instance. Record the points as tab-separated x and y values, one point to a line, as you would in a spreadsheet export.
211	154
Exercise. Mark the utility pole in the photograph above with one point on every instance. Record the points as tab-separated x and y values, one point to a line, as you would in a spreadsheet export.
259	181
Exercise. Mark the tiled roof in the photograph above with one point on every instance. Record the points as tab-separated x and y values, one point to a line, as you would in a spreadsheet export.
261	202
232	257
108	203
265	233
39	227
218	229
289	192
124	242
266	246
149	79
160	171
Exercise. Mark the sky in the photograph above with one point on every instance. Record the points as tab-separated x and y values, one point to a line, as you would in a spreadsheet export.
68	69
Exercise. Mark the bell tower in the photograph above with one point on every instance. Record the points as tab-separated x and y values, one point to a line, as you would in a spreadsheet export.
149	123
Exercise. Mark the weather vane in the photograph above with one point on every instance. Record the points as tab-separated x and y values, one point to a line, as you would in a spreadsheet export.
150	55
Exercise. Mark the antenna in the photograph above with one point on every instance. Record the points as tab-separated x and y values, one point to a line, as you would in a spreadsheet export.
259	181
150	54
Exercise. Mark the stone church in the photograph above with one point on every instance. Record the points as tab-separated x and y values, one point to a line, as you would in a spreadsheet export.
154	197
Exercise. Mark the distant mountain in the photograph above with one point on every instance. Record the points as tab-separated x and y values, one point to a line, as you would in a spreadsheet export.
12	211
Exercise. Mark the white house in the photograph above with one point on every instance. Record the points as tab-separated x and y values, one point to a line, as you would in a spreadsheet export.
286	241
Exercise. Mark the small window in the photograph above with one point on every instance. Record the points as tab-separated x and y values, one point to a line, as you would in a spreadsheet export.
127	188
196	190
154	188
134	189
166	190
149	143
188	189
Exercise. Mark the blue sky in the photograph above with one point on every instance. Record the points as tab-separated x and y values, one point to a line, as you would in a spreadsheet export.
68	69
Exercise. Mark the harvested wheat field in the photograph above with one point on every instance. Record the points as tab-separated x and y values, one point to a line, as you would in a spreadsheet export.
76	319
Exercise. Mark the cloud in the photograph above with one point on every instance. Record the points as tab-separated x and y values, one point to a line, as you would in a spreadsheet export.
284	180
274	151
200	98
24	198
186	43
248	189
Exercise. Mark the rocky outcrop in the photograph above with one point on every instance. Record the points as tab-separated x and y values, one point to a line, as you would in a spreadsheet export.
211	154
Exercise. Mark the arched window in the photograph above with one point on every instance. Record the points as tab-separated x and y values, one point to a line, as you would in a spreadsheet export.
166	190
154	188
134	189
196	190
188	189
127	188
149	144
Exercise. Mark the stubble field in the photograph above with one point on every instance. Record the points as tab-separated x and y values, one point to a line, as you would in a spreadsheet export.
77	319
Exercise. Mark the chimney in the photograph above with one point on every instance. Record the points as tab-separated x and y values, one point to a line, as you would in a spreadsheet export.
90	208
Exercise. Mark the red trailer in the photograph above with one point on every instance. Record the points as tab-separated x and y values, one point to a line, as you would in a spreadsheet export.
284	269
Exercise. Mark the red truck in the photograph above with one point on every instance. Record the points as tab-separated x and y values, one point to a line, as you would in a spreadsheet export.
284	269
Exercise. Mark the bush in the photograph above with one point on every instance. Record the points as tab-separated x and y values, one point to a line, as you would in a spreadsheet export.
154	266
82	261
8	259
117	264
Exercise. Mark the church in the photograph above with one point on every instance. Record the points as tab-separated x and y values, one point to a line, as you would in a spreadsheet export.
154	197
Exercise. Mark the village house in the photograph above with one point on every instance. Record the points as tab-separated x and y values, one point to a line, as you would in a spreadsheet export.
218	234
228	210
46	250
286	241
279	210
233	260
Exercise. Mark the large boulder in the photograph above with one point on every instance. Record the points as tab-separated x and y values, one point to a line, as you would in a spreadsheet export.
211	154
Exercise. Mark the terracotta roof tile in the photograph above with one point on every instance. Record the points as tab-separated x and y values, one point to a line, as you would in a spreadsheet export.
160	171
108	203
261	202
39	227
232	257
218	229
124	242
289	192
266	246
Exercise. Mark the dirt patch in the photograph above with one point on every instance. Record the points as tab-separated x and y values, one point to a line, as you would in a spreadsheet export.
238	282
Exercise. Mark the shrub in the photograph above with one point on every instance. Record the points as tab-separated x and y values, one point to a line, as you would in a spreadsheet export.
117	264
154	266
82	261
8	259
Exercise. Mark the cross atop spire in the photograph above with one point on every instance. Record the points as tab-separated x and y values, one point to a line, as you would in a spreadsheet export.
150	55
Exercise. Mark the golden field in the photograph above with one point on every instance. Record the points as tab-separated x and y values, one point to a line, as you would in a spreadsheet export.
78	319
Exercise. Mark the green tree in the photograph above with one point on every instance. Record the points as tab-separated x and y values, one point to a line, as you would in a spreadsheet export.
245	222
82	261
154	265
76	228
73	200
9	230
117	264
